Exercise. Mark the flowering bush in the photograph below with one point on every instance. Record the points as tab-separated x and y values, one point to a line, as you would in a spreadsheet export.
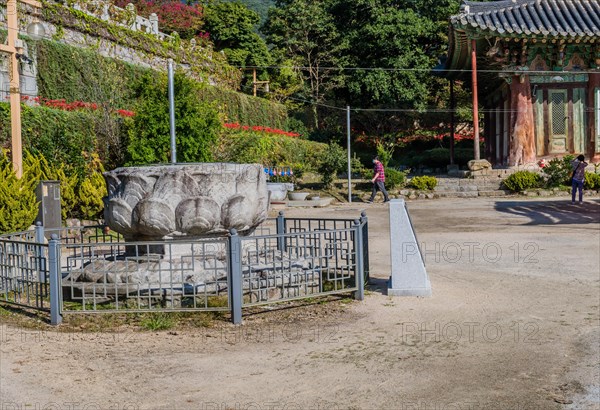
258	128
173	15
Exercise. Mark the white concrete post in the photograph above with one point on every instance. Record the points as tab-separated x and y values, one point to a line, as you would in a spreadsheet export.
409	277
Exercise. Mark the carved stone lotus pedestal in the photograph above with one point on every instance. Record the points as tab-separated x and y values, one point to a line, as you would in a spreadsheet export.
185	200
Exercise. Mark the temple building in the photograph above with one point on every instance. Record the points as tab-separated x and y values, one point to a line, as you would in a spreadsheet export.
534	67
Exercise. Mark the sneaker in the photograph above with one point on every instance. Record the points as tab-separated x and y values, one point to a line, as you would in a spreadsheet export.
572	202
387	200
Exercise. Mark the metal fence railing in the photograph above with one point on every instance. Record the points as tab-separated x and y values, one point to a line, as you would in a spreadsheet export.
90	269
24	270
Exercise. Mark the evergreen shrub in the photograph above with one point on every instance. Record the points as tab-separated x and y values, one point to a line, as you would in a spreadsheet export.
523	180
18	202
423	183
395	178
592	181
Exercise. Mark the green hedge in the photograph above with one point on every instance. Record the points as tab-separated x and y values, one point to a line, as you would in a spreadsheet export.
77	74
67	136
245	109
269	150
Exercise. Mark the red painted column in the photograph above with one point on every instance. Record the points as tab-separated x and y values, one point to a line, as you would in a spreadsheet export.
475	99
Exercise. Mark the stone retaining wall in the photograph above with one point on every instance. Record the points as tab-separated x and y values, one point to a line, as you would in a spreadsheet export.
146	47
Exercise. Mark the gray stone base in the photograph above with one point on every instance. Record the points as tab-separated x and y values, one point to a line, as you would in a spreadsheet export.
408	292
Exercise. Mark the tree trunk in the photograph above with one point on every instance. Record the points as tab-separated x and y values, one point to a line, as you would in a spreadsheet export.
522	138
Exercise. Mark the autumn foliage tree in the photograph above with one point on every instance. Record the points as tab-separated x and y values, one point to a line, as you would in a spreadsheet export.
186	20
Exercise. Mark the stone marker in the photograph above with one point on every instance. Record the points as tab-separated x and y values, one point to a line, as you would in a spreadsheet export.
409	277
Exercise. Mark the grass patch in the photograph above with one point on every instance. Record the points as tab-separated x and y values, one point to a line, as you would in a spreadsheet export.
158	321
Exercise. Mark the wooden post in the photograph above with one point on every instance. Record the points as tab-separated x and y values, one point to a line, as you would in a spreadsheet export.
14	90
12	24
475	99
254	80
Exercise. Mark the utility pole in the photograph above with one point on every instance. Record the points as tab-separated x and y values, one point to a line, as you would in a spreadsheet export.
172	112
13	48
349	158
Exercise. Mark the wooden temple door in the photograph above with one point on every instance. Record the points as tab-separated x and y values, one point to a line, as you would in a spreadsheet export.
558	121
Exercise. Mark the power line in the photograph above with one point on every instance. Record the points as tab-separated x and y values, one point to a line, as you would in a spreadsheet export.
514	71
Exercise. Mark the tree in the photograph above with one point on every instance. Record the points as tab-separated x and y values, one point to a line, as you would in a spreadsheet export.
305	33
232	29
392	45
196	128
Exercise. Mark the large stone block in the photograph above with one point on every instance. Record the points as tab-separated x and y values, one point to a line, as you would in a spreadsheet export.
193	200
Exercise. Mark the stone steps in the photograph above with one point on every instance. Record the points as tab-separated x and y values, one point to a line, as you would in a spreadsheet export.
452	187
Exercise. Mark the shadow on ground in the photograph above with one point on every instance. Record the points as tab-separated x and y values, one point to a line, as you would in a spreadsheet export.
553	212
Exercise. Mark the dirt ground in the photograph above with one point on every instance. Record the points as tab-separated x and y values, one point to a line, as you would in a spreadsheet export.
513	323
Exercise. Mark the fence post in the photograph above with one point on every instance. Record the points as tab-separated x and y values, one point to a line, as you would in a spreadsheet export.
55	280
39	253
359	249
365	240
235	276
281	231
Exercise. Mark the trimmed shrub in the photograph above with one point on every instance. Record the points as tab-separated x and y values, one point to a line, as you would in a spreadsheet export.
395	178
522	180
592	181
424	183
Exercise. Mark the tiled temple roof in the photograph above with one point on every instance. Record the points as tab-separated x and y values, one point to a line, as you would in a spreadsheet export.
555	18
